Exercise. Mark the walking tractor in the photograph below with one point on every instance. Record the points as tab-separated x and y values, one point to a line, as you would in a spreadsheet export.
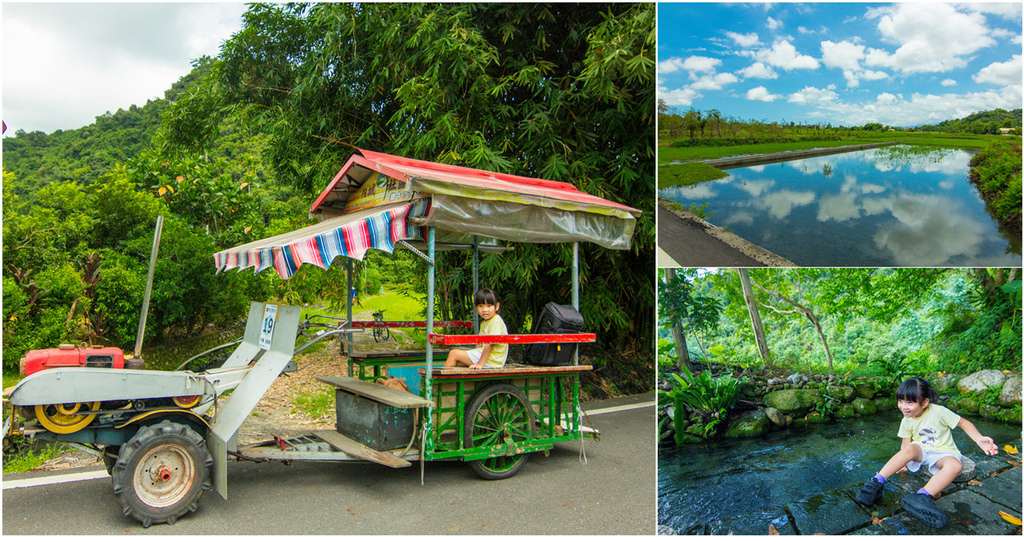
167	436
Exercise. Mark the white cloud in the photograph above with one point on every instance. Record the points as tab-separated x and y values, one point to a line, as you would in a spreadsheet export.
887	98
949	82
678	97
923	33
1001	73
773	24
812	96
701	64
784	55
670	65
66	64
758	70
714	82
762	94
841	55
744	40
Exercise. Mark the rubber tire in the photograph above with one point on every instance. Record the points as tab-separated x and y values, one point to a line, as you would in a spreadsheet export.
148	443
509	396
108	461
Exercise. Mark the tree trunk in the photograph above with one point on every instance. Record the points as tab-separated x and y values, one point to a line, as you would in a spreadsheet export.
806	312
679	335
755	318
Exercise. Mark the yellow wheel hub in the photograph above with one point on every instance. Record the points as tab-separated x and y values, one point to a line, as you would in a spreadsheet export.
65	418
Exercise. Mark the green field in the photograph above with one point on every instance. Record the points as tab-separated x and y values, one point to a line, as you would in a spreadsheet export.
668	155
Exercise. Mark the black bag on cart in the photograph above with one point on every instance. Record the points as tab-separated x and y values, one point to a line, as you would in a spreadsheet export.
554	319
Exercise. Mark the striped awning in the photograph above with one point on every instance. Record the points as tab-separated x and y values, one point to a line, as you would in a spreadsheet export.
350	235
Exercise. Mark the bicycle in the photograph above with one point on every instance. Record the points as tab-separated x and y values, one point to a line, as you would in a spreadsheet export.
381	333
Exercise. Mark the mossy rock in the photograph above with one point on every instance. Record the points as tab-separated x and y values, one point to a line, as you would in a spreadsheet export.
989	411
792	401
753	423
864	390
968	406
883	404
817	417
864	407
843	393
845	411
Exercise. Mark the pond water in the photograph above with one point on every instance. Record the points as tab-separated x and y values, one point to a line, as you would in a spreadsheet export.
889	206
742	485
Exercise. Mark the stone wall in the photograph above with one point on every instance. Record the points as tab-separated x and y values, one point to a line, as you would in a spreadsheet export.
805	398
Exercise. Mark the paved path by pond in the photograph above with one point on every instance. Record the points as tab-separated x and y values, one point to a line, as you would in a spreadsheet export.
692	242
973	506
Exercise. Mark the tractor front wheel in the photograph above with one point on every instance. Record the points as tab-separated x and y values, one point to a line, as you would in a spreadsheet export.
161	473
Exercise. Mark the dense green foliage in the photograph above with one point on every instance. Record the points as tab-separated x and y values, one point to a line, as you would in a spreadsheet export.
241	145
705	398
919	320
996	171
562	92
986	122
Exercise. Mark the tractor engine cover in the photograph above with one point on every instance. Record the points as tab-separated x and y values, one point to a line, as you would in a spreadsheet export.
71	356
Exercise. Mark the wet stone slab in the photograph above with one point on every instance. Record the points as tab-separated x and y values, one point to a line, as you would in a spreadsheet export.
830	513
969	514
1004	489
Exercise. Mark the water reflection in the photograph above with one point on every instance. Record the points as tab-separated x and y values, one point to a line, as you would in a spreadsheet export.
891	206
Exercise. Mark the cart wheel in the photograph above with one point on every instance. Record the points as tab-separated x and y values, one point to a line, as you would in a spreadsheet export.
498	415
161	473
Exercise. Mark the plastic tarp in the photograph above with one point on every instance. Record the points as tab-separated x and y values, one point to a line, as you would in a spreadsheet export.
491	204
349	235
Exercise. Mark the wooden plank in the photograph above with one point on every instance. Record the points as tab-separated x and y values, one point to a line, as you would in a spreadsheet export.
360	451
377	392
377	355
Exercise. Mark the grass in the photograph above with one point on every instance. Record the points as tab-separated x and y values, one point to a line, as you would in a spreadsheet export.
316	403
668	154
688	174
27	458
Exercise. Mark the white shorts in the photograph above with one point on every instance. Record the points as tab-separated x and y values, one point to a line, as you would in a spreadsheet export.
929	458
476	354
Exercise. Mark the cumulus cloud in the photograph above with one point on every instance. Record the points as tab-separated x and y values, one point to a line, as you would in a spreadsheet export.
841	55
949	82
714	82
744	40
1001	73
762	94
813	96
758	70
923	33
773	24
670	65
678	97
785	56
701	64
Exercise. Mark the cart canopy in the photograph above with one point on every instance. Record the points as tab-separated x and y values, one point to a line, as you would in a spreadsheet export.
377	200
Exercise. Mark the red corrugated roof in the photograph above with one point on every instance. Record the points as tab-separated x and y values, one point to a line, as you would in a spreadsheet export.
404	169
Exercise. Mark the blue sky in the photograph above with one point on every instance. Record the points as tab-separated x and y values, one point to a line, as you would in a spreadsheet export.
900	64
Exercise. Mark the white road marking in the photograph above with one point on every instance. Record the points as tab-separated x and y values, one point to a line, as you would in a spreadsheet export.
621	408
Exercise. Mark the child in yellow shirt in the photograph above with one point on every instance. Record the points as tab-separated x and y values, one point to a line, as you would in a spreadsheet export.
489	356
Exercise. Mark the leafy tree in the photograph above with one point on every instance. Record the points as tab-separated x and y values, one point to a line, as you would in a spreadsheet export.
562	92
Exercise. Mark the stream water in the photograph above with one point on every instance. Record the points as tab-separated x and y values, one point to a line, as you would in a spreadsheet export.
889	206
741	486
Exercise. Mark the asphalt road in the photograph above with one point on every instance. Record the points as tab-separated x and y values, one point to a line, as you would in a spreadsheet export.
613	492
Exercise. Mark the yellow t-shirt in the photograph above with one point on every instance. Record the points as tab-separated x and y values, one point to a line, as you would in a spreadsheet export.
933	429
499	351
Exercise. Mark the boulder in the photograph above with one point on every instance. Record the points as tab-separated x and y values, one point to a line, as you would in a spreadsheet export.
968	406
864	407
1011	392
864	390
969	470
796	378
883	404
845	410
988	411
817	417
792	401
978	382
944	382
843	394
774	416
753	423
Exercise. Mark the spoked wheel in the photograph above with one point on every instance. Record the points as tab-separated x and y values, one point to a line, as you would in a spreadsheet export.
498	417
161	473
66	418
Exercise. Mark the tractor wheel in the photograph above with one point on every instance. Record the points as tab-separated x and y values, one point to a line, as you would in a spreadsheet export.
161	473
498	416
65	418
